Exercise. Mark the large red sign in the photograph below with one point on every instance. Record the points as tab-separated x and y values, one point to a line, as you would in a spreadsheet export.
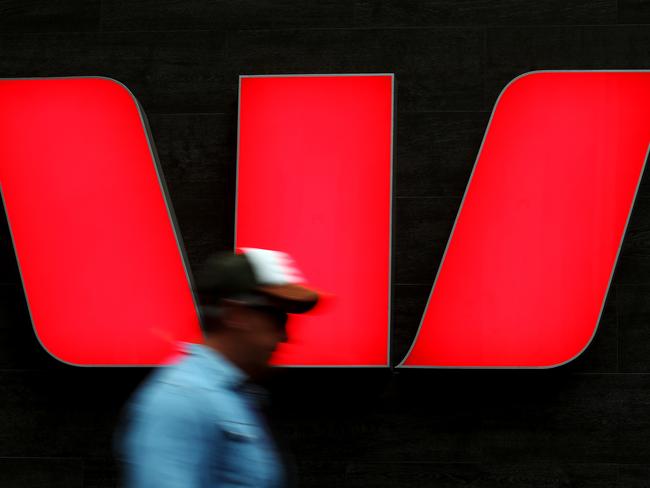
103	272
522	281
526	271
314	179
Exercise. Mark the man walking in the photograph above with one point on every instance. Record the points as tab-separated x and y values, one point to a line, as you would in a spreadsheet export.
196	423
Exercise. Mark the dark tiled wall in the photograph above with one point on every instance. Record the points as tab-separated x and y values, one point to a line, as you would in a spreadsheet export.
585	425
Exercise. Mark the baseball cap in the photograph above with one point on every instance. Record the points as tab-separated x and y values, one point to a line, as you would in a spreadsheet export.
257	277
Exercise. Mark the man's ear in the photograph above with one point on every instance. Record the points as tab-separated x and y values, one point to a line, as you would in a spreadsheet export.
235	315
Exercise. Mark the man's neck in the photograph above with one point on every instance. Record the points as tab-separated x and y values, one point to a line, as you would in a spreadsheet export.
222	346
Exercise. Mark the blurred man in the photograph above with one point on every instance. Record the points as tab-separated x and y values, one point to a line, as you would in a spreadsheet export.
196	423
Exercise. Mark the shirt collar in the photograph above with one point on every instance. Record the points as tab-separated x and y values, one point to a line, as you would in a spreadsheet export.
223	370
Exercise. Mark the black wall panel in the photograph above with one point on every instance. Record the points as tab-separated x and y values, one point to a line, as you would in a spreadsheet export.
586	424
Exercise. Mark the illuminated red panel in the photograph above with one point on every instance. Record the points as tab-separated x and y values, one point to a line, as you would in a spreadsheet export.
314	180
104	278
527	268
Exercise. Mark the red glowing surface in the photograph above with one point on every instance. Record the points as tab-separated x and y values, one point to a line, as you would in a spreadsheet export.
314	180
101	268
522	282
527	268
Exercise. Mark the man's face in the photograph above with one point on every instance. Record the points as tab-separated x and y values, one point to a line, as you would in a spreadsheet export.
261	329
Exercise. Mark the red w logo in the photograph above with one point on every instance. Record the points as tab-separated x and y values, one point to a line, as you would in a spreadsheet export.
522	281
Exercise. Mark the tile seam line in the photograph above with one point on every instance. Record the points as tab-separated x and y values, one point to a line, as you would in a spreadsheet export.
476	26
467	27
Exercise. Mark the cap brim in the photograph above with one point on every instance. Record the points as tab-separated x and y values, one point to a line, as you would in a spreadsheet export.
291	297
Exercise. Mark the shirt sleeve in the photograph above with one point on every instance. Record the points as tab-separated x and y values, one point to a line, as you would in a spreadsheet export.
163	444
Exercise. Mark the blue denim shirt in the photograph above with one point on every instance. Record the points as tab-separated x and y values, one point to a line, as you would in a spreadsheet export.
195	423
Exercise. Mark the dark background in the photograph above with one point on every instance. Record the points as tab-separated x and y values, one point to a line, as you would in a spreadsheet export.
586	424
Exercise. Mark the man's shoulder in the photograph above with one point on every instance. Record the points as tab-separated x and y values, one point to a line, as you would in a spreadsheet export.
189	377
168	390
186	375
